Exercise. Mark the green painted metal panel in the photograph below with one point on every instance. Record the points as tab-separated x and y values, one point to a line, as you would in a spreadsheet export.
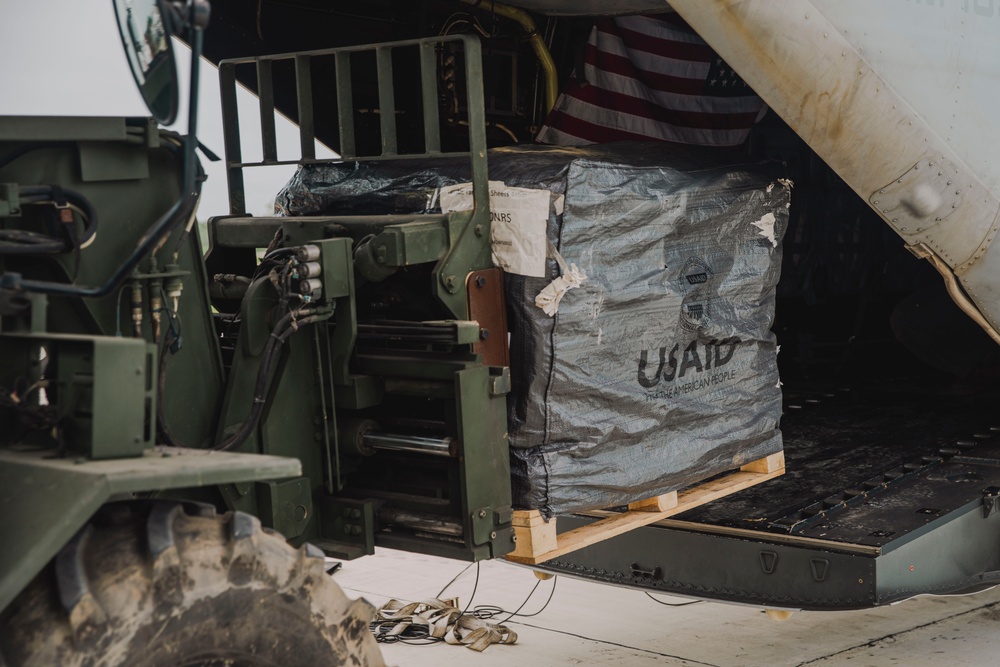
103	392
103	161
48	128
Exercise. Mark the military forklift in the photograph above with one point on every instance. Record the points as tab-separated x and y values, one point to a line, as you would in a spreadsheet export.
188	431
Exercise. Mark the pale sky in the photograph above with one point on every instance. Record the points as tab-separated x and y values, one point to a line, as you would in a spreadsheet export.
66	59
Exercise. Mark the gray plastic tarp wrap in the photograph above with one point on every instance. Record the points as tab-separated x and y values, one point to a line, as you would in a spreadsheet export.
657	371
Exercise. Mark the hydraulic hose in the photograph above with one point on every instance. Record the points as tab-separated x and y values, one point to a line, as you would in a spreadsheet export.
537	43
23	242
19	242
282	330
56	195
165	225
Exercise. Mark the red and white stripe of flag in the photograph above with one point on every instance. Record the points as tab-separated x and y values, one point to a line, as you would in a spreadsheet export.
652	78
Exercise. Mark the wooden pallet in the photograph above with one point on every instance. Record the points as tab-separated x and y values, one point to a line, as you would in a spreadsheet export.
538	542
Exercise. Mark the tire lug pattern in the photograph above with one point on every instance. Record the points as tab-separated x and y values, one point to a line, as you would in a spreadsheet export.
70	574
160	528
86	616
243	526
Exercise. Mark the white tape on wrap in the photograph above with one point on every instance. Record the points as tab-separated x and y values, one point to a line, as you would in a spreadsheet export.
766	227
550	296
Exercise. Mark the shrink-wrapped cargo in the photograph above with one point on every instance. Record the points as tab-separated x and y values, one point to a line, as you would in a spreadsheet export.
655	366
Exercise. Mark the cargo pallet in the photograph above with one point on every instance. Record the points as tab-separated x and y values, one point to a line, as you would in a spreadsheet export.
538	541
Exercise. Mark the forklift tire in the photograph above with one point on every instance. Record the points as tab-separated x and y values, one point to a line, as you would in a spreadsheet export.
170	584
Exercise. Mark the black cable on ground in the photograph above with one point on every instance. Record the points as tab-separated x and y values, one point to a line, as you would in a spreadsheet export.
487	612
453	580
416	635
611	643
518	613
475	587
673	604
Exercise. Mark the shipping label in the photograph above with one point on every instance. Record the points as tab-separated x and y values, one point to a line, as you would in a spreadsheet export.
517	219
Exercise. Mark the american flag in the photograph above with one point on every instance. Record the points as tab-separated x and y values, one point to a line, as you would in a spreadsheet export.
652	78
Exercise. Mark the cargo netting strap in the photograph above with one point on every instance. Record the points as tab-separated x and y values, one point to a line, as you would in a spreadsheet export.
437	620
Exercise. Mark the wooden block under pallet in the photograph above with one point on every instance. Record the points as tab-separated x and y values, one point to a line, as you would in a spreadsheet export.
538	542
534	535
655	504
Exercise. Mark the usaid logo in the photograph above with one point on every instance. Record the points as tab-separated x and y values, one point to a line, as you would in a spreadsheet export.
696	276
695	272
674	363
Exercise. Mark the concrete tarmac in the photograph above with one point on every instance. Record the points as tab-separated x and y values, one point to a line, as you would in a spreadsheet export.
595	624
